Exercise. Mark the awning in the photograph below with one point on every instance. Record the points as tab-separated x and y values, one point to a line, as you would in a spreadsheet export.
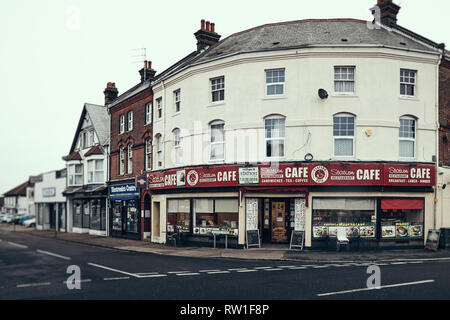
401	204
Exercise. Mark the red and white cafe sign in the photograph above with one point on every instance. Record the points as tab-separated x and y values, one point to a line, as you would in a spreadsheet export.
288	174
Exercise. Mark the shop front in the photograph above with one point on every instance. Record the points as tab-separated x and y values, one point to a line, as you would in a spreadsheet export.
125	221
88	209
378	204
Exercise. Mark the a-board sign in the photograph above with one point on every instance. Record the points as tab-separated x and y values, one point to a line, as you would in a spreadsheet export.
253	239
297	239
433	240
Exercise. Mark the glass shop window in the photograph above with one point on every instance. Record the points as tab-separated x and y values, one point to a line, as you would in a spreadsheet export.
132	216
116	215
77	213
357	216
402	219
216	215
95	214
179	215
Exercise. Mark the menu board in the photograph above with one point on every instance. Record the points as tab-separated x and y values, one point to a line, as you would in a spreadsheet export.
433	240
299	220
252	214
253	238
297	239
388	231
351	230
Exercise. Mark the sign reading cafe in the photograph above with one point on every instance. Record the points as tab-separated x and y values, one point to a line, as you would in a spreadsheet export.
305	174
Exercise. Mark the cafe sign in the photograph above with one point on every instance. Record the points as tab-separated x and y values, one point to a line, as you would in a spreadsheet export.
303	174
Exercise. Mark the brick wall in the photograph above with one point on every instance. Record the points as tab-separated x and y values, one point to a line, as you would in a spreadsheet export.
136	137
444	113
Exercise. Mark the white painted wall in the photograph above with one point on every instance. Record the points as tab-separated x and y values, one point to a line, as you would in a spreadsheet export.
376	103
49	180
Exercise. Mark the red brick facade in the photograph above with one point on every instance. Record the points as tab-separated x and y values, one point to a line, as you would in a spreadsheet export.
136	137
444	113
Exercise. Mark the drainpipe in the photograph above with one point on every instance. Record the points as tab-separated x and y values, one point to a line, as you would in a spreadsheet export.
437	143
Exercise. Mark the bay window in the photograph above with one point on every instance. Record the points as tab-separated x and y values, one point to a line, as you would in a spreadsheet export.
75	175
95	171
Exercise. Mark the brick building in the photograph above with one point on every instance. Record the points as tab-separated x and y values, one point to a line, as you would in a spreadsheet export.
131	155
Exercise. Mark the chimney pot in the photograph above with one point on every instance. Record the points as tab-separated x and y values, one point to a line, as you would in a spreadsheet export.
202	27
208	28
149	64
213	27
110	92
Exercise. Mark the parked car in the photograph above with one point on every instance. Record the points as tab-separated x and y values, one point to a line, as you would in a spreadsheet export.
30	222
7	218
25	217
16	218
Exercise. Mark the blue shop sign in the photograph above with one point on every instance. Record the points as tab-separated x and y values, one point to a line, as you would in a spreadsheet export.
123	189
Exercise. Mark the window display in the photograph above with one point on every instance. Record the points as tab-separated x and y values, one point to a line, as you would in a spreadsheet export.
117	215
357	216
77	213
132	216
216	215
402	218
179	215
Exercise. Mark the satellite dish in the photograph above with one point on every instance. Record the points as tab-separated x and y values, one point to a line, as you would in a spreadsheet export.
323	94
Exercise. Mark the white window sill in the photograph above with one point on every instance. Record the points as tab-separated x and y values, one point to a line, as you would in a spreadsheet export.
407	159
275	97
216	104
216	161
344	158
344	95
409	98
176	114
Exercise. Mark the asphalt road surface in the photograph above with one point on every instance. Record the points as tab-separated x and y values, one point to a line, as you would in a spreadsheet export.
32	267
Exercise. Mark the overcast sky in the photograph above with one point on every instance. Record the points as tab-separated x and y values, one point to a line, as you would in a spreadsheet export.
55	55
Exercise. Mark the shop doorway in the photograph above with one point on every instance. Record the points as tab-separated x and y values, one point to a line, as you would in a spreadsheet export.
278	219
52	213
275	220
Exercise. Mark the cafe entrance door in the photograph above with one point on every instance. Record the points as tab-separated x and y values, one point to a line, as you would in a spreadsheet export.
279	232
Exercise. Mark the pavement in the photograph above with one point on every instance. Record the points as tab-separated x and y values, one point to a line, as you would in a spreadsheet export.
280	253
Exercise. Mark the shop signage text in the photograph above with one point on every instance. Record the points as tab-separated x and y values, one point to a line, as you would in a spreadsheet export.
308	174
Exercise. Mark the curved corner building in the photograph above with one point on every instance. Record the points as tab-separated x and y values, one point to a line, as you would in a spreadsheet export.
311	125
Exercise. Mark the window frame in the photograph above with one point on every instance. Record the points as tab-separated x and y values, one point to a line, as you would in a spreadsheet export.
121	124
94	171
211	143
345	80
278	138
267	85
217	88
121	161
406	84
72	174
340	137
148	152
159	108
130	121
130	159
408	118
177	100
148	113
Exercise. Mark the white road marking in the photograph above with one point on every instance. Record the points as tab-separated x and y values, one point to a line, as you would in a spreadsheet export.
118	278
415	262
209	270
262	268
287	266
53	254
17	245
217	272
398	263
273	269
240	271
376	288
320	267
78	281
153	276
146	273
114	270
170	272
33	285
237	269
188	274
298	268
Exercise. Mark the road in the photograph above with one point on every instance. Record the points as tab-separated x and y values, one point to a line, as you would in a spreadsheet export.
32	267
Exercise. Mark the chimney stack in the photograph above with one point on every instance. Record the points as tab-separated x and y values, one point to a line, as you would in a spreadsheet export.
110	92
388	12
206	36
147	73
